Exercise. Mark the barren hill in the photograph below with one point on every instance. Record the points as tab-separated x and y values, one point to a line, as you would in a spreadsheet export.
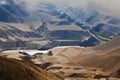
105	56
11	69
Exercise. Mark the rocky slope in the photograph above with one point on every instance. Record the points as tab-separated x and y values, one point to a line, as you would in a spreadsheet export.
11	69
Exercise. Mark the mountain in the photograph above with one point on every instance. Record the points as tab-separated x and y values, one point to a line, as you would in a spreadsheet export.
50	29
57	32
101	25
61	29
81	43
11	12
15	35
48	26
105	27
19	70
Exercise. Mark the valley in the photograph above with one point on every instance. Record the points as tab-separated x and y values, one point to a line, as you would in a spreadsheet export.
75	62
40	40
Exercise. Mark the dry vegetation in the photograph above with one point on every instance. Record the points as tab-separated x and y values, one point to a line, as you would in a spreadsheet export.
11	69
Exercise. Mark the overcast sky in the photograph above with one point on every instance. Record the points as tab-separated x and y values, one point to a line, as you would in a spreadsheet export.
111	7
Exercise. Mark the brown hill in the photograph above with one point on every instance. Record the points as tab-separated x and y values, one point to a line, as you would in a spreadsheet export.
11	69
105	56
108	61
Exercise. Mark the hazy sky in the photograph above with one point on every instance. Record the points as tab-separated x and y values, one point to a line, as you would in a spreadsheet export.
111	7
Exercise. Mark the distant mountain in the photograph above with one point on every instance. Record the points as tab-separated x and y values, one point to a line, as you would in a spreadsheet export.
101	25
48	26
11	12
42	28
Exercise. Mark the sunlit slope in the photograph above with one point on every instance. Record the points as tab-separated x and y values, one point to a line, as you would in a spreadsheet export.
11	69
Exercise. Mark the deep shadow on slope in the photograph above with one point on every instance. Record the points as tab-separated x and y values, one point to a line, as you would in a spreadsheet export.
116	74
11	69
114	43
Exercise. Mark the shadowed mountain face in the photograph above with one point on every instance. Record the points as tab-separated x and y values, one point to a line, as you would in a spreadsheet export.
11	12
114	43
11	69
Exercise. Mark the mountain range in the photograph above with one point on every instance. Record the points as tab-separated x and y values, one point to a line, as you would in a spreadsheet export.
79	43
53	27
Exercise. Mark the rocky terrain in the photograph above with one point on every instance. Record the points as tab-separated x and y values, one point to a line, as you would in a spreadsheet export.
11	69
75	62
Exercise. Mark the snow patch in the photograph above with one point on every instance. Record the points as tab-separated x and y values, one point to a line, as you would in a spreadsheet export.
68	47
30	52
